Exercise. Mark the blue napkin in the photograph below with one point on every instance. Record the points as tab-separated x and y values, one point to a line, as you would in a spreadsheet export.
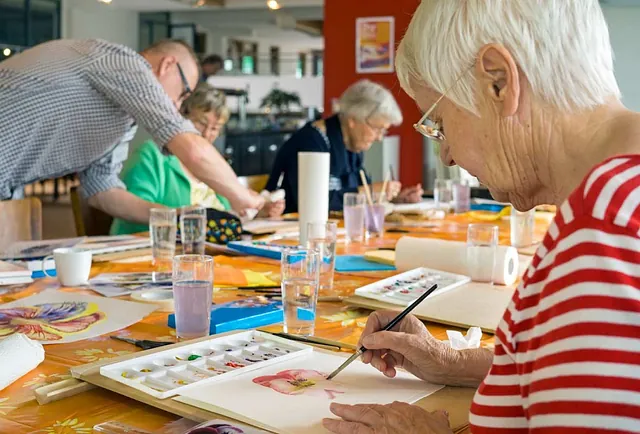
359	263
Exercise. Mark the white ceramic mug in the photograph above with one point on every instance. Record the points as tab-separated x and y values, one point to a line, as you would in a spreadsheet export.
72	266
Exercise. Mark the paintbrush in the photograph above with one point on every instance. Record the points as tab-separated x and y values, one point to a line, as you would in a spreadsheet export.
384	189
393	178
249	288
388	327
367	193
314	340
280	179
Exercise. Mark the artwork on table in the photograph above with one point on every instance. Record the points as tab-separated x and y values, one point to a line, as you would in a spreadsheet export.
374	44
132	278
224	427
36	249
53	317
116	290
300	386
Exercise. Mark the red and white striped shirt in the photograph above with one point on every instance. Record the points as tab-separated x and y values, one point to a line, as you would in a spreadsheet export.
567	356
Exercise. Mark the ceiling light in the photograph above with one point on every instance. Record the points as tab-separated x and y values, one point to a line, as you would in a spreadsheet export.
105	1
6	52
273	5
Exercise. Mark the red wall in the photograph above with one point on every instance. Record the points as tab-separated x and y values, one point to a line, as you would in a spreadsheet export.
340	69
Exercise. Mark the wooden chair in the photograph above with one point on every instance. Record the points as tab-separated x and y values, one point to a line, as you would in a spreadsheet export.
22	220
89	221
255	182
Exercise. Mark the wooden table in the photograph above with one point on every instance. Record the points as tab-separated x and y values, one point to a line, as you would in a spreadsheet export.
20	413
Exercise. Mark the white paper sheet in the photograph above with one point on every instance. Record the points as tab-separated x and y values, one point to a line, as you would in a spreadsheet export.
303	409
53	317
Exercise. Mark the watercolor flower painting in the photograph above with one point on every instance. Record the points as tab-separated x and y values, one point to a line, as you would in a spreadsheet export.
49	321
300	382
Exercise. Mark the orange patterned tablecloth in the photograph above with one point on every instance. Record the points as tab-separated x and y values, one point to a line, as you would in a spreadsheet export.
20	413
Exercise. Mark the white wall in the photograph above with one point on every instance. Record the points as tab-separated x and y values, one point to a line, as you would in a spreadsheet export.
624	32
88	19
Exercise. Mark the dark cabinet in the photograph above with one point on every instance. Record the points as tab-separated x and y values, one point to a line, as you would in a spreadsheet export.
253	153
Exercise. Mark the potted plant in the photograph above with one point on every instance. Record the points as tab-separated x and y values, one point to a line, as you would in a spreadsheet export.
279	101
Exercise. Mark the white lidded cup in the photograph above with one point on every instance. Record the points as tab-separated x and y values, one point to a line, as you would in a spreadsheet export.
73	265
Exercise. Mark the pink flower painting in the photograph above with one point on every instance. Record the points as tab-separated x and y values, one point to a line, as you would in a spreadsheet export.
300	382
49	321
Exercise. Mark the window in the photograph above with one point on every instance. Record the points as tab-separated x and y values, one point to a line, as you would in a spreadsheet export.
247	65
301	69
318	63
26	23
274	60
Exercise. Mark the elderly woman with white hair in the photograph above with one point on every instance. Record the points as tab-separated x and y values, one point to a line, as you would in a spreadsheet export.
367	110
522	94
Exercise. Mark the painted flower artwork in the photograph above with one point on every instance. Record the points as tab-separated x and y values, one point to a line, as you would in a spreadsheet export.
50	321
300	382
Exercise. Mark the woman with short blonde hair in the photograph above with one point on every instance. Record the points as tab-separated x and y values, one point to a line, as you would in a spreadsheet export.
522	94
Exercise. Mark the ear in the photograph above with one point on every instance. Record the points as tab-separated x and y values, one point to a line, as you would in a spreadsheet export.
165	65
499	76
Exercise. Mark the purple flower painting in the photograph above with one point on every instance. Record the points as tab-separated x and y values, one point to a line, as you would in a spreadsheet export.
300	382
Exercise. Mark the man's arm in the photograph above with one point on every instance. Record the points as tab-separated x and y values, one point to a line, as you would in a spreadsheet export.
119	203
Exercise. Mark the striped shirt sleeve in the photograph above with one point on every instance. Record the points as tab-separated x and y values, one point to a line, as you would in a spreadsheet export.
126	78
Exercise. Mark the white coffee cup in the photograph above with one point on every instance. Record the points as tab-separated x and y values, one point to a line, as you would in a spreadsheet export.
72	266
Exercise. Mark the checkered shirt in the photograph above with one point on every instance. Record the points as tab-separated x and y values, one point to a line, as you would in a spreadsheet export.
67	105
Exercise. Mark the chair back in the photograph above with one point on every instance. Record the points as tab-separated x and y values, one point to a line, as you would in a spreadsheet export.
89	221
21	220
254	182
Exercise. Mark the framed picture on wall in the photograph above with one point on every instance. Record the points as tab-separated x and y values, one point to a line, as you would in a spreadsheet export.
374	44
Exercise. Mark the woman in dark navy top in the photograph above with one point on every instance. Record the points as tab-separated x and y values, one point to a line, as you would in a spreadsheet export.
367	110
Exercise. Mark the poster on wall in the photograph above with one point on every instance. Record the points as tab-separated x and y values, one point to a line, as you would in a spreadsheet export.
374	44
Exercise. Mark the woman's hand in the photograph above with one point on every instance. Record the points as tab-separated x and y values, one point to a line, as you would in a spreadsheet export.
410	195
272	209
396	418
409	345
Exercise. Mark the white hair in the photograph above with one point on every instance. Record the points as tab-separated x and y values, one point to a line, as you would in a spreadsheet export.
366	99
561	46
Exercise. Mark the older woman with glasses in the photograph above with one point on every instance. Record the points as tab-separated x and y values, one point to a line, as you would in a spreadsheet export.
522	94
367	110
163	179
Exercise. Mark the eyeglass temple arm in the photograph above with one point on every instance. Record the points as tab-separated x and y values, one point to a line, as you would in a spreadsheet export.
428	112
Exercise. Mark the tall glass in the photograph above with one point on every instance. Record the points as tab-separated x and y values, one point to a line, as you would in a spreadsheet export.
461	197
522	225
192	293
482	244
322	237
300	281
442	193
353	212
163	227
193	229
374	216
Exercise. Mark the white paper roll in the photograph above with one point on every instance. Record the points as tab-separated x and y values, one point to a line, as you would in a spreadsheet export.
313	190
451	256
18	356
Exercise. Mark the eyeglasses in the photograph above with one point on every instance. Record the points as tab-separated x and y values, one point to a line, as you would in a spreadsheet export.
378	130
434	131
187	89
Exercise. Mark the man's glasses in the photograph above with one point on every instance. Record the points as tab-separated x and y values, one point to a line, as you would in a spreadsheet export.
187	89
433	130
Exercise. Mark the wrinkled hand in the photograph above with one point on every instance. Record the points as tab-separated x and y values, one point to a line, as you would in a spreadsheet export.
245	199
396	418
410	195
272	209
409	346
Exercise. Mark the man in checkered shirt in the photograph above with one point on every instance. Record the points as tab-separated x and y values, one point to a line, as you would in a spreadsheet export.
69	106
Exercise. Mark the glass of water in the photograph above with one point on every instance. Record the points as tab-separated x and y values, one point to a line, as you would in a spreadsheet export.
300	281
163	227
353	212
192	294
442	193
461	197
374	216
522	225
482	243
193	229
322	237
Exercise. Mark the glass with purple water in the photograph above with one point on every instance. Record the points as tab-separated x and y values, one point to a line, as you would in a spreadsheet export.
192	294
353	212
300	281
374	216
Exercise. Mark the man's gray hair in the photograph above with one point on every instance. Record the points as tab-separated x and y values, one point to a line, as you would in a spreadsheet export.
366	99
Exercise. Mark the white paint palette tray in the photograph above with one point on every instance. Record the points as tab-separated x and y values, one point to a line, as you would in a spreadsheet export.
168	373
404	288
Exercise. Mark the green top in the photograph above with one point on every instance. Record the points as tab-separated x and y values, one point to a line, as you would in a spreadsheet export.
157	178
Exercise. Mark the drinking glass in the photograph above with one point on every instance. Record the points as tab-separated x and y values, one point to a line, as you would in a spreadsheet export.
192	294
193	229
322	237
522	225
374	216
461	197
300	281
163	226
482	243
353	212
442	193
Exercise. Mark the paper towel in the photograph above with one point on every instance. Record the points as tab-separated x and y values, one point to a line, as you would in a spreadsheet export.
18	356
451	256
313	190
470	340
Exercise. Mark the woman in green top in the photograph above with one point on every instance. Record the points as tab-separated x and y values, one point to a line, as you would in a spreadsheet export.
162	179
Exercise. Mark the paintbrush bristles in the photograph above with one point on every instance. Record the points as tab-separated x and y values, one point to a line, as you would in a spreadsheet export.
365	184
